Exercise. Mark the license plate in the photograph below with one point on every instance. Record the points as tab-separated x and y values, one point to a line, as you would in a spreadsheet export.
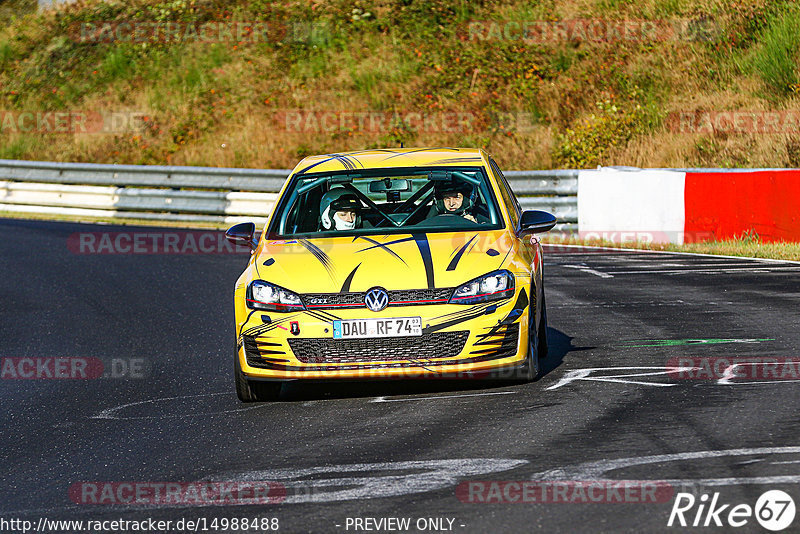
394	327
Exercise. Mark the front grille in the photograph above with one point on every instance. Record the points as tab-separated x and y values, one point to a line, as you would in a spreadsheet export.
412	296
432	345
401	297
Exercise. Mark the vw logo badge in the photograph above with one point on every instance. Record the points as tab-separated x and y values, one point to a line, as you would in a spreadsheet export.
376	299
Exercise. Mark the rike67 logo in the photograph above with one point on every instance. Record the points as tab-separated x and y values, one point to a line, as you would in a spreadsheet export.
774	510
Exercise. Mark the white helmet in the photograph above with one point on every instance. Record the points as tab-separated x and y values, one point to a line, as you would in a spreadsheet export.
339	199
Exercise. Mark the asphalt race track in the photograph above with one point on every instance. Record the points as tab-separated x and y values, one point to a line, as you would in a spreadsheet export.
613	403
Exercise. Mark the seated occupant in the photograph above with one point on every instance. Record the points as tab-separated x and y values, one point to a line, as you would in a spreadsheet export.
453	198
340	210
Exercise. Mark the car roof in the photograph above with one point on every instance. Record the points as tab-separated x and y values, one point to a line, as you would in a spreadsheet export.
391	158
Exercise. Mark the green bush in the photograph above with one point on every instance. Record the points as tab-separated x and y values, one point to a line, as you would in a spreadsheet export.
6	53
776	61
586	144
13	9
18	148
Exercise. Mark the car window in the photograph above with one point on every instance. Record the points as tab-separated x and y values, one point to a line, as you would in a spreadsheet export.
387	201
510	200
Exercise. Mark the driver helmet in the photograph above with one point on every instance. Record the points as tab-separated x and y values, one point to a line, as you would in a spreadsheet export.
440	190
339	199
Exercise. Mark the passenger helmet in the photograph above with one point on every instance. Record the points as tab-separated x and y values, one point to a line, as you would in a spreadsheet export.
338	199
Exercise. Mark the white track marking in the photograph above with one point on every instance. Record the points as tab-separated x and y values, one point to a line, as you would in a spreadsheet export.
676	266
599	470
725	380
356	481
729	374
644	251
110	413
748	462
345	482
710	271
586	269
634	304
584	374
384	399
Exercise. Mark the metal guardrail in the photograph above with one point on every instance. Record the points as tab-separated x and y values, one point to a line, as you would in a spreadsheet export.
171	193
268	181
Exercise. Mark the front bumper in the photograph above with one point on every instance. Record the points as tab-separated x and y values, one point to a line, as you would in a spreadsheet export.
458	341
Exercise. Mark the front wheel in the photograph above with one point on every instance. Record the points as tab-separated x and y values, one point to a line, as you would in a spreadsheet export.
537	343
542	349
253	391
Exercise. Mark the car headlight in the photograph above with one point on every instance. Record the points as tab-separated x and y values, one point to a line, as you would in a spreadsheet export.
262	295
493	286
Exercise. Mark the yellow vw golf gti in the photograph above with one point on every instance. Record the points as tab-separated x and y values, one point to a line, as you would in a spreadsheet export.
396	263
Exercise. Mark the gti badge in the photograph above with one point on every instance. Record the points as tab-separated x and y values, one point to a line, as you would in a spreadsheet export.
376	299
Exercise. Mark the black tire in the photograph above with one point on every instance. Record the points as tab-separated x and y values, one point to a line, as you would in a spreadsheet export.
251	390
542	349
532	367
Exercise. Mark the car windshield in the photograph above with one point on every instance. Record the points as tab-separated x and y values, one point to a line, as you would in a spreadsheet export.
387	201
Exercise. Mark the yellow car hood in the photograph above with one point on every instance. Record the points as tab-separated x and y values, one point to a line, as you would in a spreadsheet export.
399	261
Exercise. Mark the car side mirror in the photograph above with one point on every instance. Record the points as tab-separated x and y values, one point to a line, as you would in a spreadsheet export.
242	234
535	222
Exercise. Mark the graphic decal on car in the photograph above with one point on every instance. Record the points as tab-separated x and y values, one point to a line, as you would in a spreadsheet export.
501	342
260	329
256	347
322	315
425	251
384	246
414	151
457	257
348	280
320	255
348	162
448	161
515	313
460	317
